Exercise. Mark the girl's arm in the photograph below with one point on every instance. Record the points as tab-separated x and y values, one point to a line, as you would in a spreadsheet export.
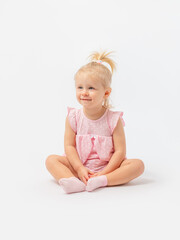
70	147
119	149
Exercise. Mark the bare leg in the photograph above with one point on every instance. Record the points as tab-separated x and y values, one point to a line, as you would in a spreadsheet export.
128	170
59	167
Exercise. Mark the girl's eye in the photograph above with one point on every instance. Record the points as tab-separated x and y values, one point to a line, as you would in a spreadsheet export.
82	88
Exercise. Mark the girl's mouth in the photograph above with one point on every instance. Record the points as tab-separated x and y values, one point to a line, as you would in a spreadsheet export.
85	99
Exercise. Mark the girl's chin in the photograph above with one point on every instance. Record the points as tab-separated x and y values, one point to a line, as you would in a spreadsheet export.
87	106
86	103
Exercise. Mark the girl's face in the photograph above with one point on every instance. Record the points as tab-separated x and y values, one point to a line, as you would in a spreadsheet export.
90	92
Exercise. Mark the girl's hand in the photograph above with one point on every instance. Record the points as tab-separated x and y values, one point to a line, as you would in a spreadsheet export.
97	174
84	174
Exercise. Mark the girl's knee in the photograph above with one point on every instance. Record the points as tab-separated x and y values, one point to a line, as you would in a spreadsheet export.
50	160
140	165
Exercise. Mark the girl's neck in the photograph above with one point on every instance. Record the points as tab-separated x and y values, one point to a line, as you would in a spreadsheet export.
94	114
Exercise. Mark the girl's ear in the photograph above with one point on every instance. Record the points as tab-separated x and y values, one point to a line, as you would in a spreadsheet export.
107	92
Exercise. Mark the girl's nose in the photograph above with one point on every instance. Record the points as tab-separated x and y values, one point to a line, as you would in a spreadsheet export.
85	93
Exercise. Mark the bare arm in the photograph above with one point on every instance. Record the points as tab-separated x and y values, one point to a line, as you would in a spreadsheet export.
119	149
72	155
70	146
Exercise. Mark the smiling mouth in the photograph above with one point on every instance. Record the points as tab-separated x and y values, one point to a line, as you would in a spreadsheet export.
85	99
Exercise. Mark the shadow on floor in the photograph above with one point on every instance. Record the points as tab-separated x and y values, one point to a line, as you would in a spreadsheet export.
142	181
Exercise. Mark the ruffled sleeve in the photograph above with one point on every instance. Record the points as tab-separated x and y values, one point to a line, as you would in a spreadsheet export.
72	118
113	119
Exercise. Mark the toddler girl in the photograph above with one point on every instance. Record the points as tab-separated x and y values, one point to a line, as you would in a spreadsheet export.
94	139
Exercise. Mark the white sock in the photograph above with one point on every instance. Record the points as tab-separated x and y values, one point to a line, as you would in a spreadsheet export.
96	182
72	184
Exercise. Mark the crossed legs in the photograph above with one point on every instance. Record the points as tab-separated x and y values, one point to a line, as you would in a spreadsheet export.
59	167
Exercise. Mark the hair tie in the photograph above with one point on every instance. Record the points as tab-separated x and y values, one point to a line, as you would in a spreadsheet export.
98	61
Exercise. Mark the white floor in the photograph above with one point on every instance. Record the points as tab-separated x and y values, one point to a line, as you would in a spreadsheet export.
35	207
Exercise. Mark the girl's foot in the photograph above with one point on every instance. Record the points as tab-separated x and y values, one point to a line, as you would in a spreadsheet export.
96	182
72	185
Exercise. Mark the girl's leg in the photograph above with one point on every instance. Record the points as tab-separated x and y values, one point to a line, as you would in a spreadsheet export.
62	171
128	170
59	167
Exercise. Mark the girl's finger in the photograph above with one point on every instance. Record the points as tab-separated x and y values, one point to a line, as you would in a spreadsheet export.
92	176
87	177
84	180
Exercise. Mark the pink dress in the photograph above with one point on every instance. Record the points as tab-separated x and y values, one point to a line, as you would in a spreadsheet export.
94	142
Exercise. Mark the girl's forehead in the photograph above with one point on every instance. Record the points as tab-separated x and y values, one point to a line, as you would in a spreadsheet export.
87	79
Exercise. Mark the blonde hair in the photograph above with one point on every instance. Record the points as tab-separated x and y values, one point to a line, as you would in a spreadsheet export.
99	71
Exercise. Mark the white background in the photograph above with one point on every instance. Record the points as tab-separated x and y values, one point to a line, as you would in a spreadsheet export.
42	45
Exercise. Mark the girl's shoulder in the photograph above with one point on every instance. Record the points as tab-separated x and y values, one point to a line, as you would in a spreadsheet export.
73	112
73	116
113	118
113	114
